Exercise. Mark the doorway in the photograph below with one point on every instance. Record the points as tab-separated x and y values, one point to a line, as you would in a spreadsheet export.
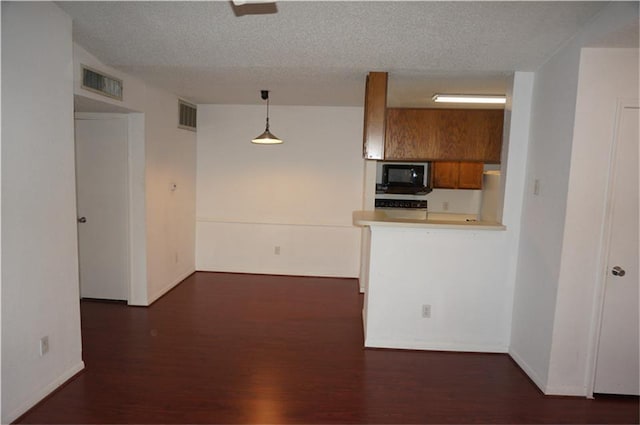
617	361
102	202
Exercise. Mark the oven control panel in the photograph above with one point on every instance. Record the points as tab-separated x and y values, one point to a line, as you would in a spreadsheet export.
401	203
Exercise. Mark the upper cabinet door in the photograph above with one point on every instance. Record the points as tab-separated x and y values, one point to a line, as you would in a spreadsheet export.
445	174
470	175
457	175
375	105
444	134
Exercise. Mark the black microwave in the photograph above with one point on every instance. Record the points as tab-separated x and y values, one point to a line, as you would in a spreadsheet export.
405	175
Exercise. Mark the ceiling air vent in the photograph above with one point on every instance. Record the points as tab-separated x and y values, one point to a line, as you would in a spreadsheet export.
100	83
187	117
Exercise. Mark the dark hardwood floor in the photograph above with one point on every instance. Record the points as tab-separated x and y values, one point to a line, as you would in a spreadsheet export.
233	348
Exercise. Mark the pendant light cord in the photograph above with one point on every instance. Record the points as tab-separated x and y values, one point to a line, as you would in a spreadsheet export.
267	129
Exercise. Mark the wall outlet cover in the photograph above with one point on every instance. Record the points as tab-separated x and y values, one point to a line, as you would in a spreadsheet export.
44	345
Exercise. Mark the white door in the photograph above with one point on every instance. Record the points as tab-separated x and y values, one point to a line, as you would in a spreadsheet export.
102	191
617	367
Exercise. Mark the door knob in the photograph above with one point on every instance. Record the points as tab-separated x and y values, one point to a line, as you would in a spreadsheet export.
618	271
82	219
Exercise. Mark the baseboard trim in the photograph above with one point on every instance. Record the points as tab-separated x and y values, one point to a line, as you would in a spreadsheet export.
570	391
170	286
38	396
535	378
212	269
364	325
434	346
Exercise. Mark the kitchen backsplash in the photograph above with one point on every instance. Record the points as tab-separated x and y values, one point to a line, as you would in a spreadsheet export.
455	201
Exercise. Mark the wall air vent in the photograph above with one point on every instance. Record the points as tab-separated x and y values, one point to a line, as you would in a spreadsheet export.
187	115
101	83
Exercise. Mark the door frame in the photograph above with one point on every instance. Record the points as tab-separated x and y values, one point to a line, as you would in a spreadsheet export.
604	247
136	220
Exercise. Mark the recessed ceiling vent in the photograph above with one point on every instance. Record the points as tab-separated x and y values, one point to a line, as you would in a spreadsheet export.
101	83
188	113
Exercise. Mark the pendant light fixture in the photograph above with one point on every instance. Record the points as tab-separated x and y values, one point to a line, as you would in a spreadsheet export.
266	138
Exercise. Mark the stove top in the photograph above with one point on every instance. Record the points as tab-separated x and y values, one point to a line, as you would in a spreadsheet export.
401	203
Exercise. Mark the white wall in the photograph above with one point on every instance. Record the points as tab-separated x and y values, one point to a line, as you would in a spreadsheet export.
1	415
138	290
543	216
170	159
164	155
606	76
40	291
470	305
543	220
134	89
460	201
512	174
299	195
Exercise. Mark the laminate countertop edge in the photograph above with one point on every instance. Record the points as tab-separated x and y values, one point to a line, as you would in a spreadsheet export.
379	218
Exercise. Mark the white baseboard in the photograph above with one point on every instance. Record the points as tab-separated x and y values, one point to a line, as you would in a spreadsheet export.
434	346
170	286
276	272
37	396
364	325
574	391
541	383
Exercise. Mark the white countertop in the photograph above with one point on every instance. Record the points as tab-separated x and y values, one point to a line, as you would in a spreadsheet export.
434	220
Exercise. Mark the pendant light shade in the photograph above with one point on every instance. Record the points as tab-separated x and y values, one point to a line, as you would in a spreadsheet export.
266	138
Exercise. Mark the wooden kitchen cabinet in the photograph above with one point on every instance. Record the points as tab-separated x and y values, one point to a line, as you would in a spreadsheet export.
470	175
420	134
375	106
457	175
445	175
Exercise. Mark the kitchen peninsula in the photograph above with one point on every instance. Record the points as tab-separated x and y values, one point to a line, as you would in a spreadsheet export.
433	280
434	284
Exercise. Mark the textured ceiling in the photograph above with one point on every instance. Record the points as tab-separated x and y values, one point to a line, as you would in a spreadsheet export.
318	53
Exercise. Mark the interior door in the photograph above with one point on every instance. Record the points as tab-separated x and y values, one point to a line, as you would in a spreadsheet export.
617	366
102	196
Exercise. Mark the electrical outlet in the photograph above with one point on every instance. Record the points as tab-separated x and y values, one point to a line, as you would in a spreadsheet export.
445	206
44	345
536	187
276	250
175	257
426	311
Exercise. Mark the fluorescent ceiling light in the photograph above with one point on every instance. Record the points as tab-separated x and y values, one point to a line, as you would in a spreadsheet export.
243	2
468	98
